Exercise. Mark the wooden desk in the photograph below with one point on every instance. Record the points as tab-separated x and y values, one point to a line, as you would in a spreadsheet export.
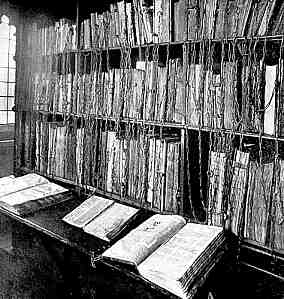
66	243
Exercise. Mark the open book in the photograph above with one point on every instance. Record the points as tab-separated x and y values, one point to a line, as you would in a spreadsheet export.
101	217
29	193
169	252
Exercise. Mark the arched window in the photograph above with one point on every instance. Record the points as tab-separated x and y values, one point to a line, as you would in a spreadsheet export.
7	70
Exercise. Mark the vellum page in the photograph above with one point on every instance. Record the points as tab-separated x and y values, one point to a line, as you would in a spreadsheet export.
6	180
145	239
23	182
33	193
111	219
169	262
87	211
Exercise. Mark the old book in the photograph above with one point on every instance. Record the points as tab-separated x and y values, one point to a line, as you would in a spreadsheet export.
137	172
277	26
208	19
193	19
229	104
212	104
110	223
175	106
21	183
162	21
138	22
258	201
280	122
217	170
122	22
266	19
252	96
39	204
29	196
277	223
194	99
146	21
161	92
137	95
180	24
149	88
269	99
237	17
172	178
238	188
114	163
220	24
167	251
159	180
129	24
87	211
261	13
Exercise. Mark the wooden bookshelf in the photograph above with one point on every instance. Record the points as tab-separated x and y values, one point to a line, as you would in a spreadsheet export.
212	54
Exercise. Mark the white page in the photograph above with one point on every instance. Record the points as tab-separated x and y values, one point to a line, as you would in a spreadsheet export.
171	260
111	219
144	239
33	193
23	182
87	211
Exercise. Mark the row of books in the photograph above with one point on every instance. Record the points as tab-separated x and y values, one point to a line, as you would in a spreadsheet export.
145	169
50	39
30	193
254	201
142	168
157	243
142	22
138	93
204	97
59	150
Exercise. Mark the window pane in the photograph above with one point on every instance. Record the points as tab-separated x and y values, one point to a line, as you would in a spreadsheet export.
12	32
3	103
4	74
12	47
10	103
11	117
12	62
3	60
4	44
12	73
11	89
4	30
3	117
3	89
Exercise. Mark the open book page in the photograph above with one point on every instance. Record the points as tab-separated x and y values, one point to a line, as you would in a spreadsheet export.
145	239
33	193
169	262
6	180
87	211
21	183
110	221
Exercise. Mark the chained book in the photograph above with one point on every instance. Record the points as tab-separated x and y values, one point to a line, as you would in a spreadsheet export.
30	193
169	252
102	217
